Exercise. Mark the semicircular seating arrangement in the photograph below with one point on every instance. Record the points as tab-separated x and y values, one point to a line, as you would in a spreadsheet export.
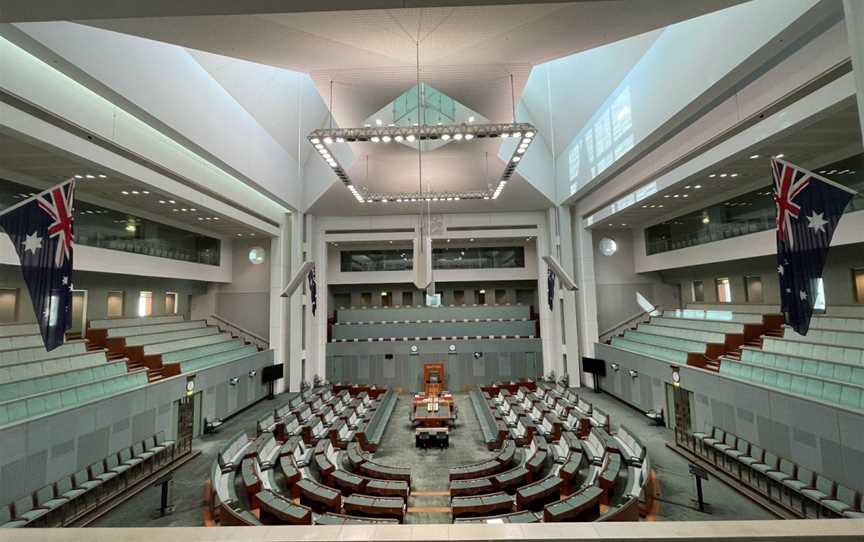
558	462
306	465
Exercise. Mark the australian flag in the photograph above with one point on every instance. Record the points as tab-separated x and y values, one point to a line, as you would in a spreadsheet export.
40	228
313	291
550	289
808	209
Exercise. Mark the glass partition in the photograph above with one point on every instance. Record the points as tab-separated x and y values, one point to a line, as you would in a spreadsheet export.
101	227
748	213
442	258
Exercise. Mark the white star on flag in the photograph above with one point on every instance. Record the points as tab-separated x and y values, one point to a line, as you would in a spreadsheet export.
65	280
816	222
780	269
32	243
803	295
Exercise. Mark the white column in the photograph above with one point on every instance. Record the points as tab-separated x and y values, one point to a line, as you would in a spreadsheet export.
550	324
295	306
854	10
586	298
280	267
571	319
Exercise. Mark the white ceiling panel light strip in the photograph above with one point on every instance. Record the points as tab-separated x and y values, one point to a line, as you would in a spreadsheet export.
324	138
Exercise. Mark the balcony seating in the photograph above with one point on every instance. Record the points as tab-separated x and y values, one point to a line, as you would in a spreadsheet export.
699	324
688	334
10	372
37	353
840	354
715	315
41	384
20	341
198	364
674	343
52	401
630	447
393	314
825	336
211	344
812	387
110	323
650	350
152	328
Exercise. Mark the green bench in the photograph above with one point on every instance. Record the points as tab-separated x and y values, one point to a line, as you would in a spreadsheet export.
37	353
33	386
46	367
658	352
843	354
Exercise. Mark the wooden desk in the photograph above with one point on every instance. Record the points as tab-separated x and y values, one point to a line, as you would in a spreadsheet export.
432	436
436	418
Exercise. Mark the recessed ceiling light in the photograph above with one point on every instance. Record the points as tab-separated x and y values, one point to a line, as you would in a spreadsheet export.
698	186
193	209
171	201
184	209
200	218
161	201
124	192
79	176
145	191
712	175
215	218
685	196
378	122
175	210
102	176
723	175
239	235
781	155
89	176
136	192
734	175
251	235
471	118
687	187
754	156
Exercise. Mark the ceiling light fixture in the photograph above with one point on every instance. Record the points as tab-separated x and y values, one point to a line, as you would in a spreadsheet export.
454	132
754	156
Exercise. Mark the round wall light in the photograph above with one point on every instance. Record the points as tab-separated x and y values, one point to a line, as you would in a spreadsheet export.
608	246
256	255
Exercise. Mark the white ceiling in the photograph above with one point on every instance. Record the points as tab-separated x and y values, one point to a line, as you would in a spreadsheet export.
29	163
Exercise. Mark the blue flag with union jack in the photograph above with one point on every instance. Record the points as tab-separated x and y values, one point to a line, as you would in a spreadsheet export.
808	209
40	229
313	290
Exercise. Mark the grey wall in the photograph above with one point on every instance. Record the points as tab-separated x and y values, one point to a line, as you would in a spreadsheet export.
245	301
820	437
618	284
42	450
837	276
99	284
364	362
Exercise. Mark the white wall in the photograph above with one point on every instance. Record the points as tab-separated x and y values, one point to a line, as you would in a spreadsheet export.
689	65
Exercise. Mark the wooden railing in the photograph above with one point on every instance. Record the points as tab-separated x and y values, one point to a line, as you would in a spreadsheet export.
629	323
225	325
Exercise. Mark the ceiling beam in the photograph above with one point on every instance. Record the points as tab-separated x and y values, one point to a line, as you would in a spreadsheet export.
17	11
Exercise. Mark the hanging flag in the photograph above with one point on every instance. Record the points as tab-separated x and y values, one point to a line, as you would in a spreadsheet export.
40	229
550	287
809	207
313	291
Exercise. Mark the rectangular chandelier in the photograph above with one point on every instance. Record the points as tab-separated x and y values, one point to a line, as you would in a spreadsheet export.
322	138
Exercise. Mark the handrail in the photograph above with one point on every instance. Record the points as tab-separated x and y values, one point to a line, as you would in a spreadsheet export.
627	323
245	334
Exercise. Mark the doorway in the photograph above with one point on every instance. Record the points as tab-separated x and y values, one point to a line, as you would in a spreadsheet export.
79	313
170	303
185	409
678	402
197	405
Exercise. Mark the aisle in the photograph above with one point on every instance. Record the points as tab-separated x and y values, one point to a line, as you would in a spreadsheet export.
429	501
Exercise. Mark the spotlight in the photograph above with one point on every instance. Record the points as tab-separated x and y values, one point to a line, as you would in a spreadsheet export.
469	137
386	139
471	118
328	140
517	158
445	137
505	135
79	176
101	176
397	138
378	122
315	141
340	140
520	150
89	176
517	135
457	137
410	137
374	139
529	134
